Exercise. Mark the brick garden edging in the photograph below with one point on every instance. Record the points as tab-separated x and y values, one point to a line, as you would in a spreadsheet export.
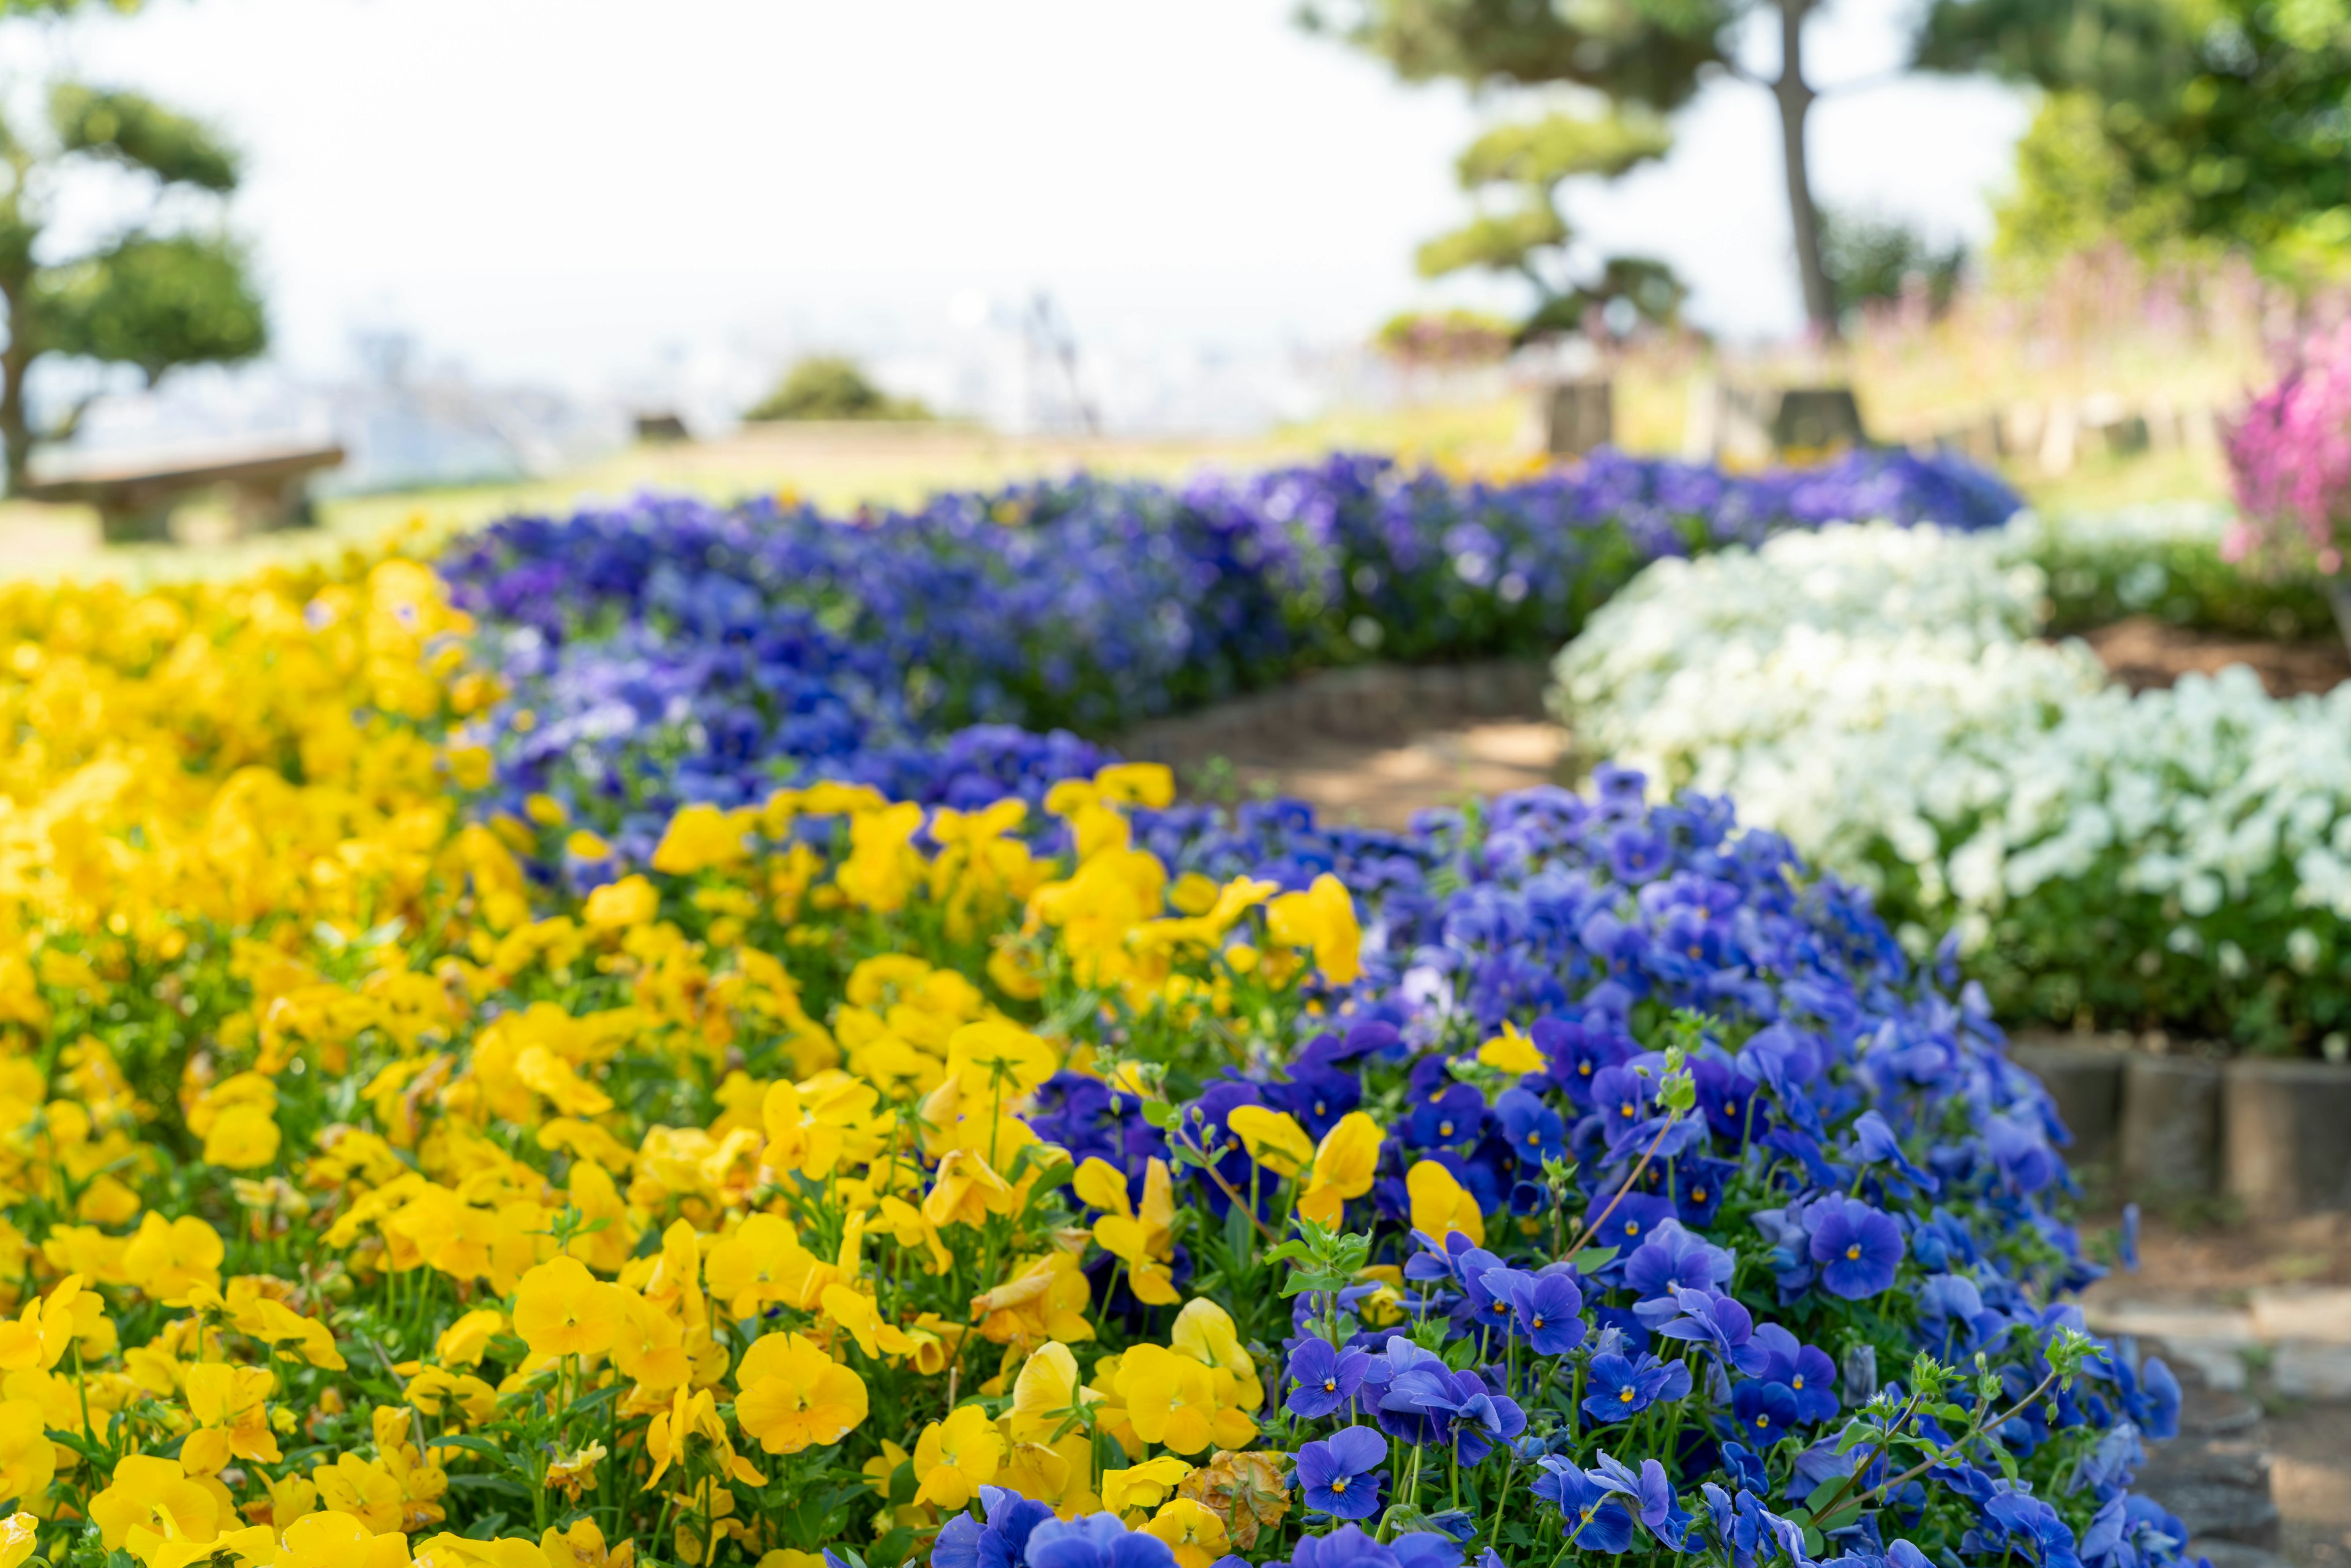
2274	1136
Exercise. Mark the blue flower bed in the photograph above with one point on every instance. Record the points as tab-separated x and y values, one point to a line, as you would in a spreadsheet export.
667	650
1747	1241
1769	1250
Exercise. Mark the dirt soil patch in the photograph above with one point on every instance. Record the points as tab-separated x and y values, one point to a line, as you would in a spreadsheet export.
1377	784
2310	1481
2143	653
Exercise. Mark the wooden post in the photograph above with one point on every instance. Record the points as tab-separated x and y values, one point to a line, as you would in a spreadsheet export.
1578	416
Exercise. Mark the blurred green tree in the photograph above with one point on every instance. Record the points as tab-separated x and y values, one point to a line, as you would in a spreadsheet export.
148	295
1526	164
1646	58
1872	258
2213	123
830	386
1453	337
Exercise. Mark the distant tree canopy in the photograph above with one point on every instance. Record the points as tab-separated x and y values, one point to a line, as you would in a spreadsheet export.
1646	58
2200	123
831	386
151	295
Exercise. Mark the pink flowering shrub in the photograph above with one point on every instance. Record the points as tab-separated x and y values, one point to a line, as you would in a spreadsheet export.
2290	456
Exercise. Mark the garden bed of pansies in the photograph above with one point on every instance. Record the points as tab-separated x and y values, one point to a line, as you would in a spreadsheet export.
578	1057
2173	859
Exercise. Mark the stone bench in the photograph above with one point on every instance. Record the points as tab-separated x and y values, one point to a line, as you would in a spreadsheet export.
268	485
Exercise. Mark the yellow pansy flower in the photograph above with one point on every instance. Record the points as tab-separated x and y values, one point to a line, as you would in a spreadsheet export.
954	1458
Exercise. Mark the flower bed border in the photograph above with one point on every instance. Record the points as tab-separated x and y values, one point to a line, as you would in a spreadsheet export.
2271	1134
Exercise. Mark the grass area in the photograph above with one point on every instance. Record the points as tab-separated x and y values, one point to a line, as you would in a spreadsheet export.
842	467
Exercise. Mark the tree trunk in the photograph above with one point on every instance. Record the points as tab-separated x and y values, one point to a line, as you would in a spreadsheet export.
16	426
1795	98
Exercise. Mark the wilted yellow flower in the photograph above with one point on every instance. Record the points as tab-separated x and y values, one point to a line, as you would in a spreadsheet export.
1245	1490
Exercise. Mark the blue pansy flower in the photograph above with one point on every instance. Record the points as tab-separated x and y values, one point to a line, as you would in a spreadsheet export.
1622	1387
1340	1476
1324	1379
1765	1412
1857	1248
1546	1310
1097	1541
1533	1129
1595	1521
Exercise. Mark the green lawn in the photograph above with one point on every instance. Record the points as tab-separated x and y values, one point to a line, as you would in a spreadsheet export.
842	467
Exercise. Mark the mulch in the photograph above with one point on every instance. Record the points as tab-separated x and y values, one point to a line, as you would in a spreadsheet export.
2144	653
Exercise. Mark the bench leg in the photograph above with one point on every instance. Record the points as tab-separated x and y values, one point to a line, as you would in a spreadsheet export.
267	506
135	520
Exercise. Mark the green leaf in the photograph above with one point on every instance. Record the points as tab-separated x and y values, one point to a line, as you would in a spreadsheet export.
1591	1259
504	1485
1158	1112
472	1444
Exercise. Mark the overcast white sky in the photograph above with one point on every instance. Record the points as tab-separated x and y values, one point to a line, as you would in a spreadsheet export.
566	190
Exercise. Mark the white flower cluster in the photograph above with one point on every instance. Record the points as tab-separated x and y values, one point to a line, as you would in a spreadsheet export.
1876	694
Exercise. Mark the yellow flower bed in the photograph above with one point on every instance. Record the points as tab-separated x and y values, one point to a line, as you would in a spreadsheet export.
367	1204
